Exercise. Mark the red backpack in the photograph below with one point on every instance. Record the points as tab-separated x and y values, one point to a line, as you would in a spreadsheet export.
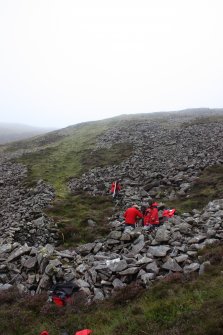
62	293
169	213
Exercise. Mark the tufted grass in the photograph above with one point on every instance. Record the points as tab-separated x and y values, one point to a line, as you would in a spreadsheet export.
72	213
208	187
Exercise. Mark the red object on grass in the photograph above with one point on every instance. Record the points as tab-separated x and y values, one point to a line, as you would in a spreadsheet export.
58	301
84	332
44	333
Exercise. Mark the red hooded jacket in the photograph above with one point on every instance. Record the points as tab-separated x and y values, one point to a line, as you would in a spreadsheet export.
151	215
115	187
131	215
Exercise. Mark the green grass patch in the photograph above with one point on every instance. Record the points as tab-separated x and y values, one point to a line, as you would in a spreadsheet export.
72	214
56	162
105	157
208	187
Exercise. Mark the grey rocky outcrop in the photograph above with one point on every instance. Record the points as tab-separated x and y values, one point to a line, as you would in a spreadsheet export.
165	161
21	208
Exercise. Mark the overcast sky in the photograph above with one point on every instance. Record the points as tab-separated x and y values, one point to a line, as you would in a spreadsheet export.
67	61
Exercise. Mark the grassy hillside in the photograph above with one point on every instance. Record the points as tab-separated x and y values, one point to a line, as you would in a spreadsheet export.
209	186
60	155
57	156
60	158
72	214
178	305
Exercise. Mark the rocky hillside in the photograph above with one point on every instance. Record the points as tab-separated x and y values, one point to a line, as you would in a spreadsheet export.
168	157
164	157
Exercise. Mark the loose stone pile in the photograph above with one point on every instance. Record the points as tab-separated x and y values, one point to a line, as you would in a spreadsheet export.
101	267
21	209
165	160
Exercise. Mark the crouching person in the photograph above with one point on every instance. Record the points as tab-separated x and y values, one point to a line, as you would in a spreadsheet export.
151	217
131	216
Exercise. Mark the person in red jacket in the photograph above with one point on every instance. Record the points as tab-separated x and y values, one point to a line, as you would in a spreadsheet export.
131	215
115	188
151	217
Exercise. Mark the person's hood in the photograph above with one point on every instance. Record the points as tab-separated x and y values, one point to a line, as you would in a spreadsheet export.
135	206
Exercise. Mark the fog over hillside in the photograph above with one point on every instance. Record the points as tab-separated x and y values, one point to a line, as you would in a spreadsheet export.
10	132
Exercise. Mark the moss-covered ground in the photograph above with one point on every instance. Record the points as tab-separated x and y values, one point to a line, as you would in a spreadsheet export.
72	214
208	187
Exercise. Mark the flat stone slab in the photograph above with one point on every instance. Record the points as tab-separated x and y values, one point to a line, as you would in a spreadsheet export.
172	265
159	251
129	271
18	253
191	268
